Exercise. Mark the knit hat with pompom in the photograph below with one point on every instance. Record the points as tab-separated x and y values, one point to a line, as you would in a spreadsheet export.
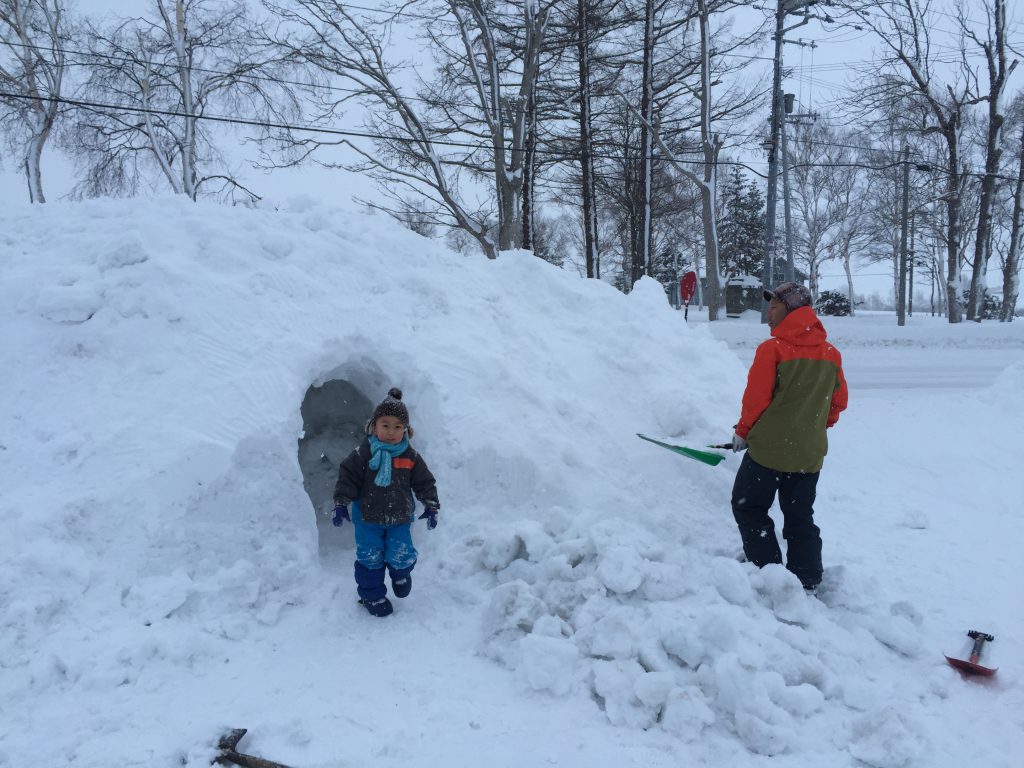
391	405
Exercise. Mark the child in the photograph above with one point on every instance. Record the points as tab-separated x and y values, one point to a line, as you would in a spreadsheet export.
378	479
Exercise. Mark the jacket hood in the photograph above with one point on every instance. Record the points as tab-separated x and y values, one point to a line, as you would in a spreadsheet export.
801	327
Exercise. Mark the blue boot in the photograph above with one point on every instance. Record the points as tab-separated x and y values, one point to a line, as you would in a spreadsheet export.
401	581
379	608
371	589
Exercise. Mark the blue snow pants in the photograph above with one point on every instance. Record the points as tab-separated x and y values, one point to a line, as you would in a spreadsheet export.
378	546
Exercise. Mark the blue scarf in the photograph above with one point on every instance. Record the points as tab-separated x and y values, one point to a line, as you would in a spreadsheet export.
381	455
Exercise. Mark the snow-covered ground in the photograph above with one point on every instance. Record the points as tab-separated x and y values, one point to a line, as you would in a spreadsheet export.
580	602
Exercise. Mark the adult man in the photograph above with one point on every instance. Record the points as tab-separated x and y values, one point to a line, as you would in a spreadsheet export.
795	391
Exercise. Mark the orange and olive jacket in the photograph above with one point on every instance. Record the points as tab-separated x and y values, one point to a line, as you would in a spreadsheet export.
795	391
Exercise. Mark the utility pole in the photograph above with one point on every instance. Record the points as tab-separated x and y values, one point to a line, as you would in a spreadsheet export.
784	7
910	268
901	300
789	273
767	278
790	270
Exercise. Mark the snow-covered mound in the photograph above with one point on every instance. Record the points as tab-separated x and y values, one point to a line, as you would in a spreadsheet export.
159	578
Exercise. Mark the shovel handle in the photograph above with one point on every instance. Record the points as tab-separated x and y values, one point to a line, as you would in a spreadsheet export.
228	754
725	446
979	640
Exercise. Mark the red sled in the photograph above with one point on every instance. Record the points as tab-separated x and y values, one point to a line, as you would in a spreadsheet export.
972	667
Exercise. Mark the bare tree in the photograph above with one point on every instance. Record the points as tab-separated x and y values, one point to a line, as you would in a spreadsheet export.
912	80
429	136
850	191
588	188
508	121
697	54
635	56
154	82
711	146
735	102
32	67
994	47
880	210
641	250
575	88
829	193
1011	261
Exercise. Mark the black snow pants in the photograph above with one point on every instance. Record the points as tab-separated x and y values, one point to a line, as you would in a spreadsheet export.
752	496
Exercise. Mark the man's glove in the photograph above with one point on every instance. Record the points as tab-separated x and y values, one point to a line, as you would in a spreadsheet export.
340	515
430	514
738	443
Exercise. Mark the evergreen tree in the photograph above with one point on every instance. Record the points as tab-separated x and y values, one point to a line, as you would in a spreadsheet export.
741	228
834	303
667	266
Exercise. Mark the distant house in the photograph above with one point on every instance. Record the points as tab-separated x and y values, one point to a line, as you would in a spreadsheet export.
743	292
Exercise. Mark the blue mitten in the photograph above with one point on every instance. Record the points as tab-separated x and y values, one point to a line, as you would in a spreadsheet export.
431	517
340	515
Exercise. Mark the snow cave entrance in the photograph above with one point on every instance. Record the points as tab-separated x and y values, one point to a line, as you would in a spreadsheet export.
333	421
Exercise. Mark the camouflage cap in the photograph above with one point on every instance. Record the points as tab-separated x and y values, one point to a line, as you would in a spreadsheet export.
793	295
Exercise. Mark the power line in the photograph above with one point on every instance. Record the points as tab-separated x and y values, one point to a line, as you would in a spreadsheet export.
323	86
955	52
255	123
844	66
242	77
206	70
250	122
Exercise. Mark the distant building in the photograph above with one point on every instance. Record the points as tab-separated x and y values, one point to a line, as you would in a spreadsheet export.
743	292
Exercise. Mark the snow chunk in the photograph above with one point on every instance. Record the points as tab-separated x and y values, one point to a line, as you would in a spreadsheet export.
784	592
649	293
156	597
613	638
886	739
527	540
686	713
549	664
615	683
124	254
511	613
730	579
621	569
653	688
68	303
760	735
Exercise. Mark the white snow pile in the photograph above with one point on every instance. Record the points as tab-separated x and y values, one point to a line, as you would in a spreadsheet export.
159	562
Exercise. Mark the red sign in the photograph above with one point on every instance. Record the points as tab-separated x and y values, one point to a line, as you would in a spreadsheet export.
687	287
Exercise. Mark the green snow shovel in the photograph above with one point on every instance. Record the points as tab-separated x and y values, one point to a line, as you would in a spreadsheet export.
708	457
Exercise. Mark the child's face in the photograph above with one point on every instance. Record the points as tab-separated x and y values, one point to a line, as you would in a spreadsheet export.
389	429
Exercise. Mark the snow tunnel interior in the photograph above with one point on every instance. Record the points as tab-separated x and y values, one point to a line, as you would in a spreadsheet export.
333	421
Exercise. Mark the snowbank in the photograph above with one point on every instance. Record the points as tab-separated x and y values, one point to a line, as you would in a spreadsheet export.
160	565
